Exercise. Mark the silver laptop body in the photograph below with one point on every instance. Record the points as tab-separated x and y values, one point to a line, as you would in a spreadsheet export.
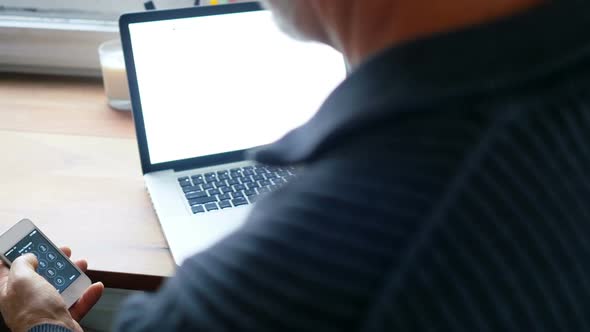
207	84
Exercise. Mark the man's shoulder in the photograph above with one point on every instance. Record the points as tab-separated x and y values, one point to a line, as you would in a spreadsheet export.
358	188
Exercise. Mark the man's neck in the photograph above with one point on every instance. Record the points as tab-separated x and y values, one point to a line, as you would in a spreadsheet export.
368	27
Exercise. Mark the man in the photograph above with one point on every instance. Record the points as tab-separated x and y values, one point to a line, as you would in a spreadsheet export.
445	187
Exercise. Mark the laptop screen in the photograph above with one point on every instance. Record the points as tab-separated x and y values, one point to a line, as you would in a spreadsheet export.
224	83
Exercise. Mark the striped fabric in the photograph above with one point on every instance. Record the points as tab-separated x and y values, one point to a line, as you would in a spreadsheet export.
461	222
459	206
446	187
507	249
49	328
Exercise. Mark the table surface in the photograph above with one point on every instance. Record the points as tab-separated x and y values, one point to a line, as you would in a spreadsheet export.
70	164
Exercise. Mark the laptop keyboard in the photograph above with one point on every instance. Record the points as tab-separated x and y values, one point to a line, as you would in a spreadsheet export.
233	187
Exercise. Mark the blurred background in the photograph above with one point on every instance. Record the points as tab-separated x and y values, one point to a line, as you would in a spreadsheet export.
61	37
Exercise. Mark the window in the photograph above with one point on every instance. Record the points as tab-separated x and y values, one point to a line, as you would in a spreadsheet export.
62	36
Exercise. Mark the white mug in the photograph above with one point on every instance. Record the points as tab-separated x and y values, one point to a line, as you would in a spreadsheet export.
114	75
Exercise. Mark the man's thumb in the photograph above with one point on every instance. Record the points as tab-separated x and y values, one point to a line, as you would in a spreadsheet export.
24	264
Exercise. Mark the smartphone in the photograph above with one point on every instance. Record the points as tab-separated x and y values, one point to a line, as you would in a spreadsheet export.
54	265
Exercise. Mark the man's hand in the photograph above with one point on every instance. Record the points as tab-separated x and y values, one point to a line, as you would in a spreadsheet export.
27	300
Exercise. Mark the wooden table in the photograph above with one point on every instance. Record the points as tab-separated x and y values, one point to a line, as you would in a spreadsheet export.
70	164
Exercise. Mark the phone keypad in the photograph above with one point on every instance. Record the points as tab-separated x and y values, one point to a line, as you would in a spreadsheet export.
52	265
49	266
51	256
50	273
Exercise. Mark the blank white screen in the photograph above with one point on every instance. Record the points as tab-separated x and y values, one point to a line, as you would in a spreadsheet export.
223	83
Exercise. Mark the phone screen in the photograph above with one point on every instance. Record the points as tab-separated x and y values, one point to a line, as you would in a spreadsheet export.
53	266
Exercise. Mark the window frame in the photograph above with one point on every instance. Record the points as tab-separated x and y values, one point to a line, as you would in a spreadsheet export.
47	46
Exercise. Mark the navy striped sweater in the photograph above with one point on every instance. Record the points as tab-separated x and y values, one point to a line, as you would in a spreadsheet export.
446	187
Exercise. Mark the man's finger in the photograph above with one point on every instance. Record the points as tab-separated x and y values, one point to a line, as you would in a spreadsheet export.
87	301
82	265
67	251
4	269
24	265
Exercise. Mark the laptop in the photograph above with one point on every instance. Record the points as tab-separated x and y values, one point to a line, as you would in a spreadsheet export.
206	85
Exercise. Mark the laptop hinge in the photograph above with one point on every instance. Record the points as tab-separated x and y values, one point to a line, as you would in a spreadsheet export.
208	161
